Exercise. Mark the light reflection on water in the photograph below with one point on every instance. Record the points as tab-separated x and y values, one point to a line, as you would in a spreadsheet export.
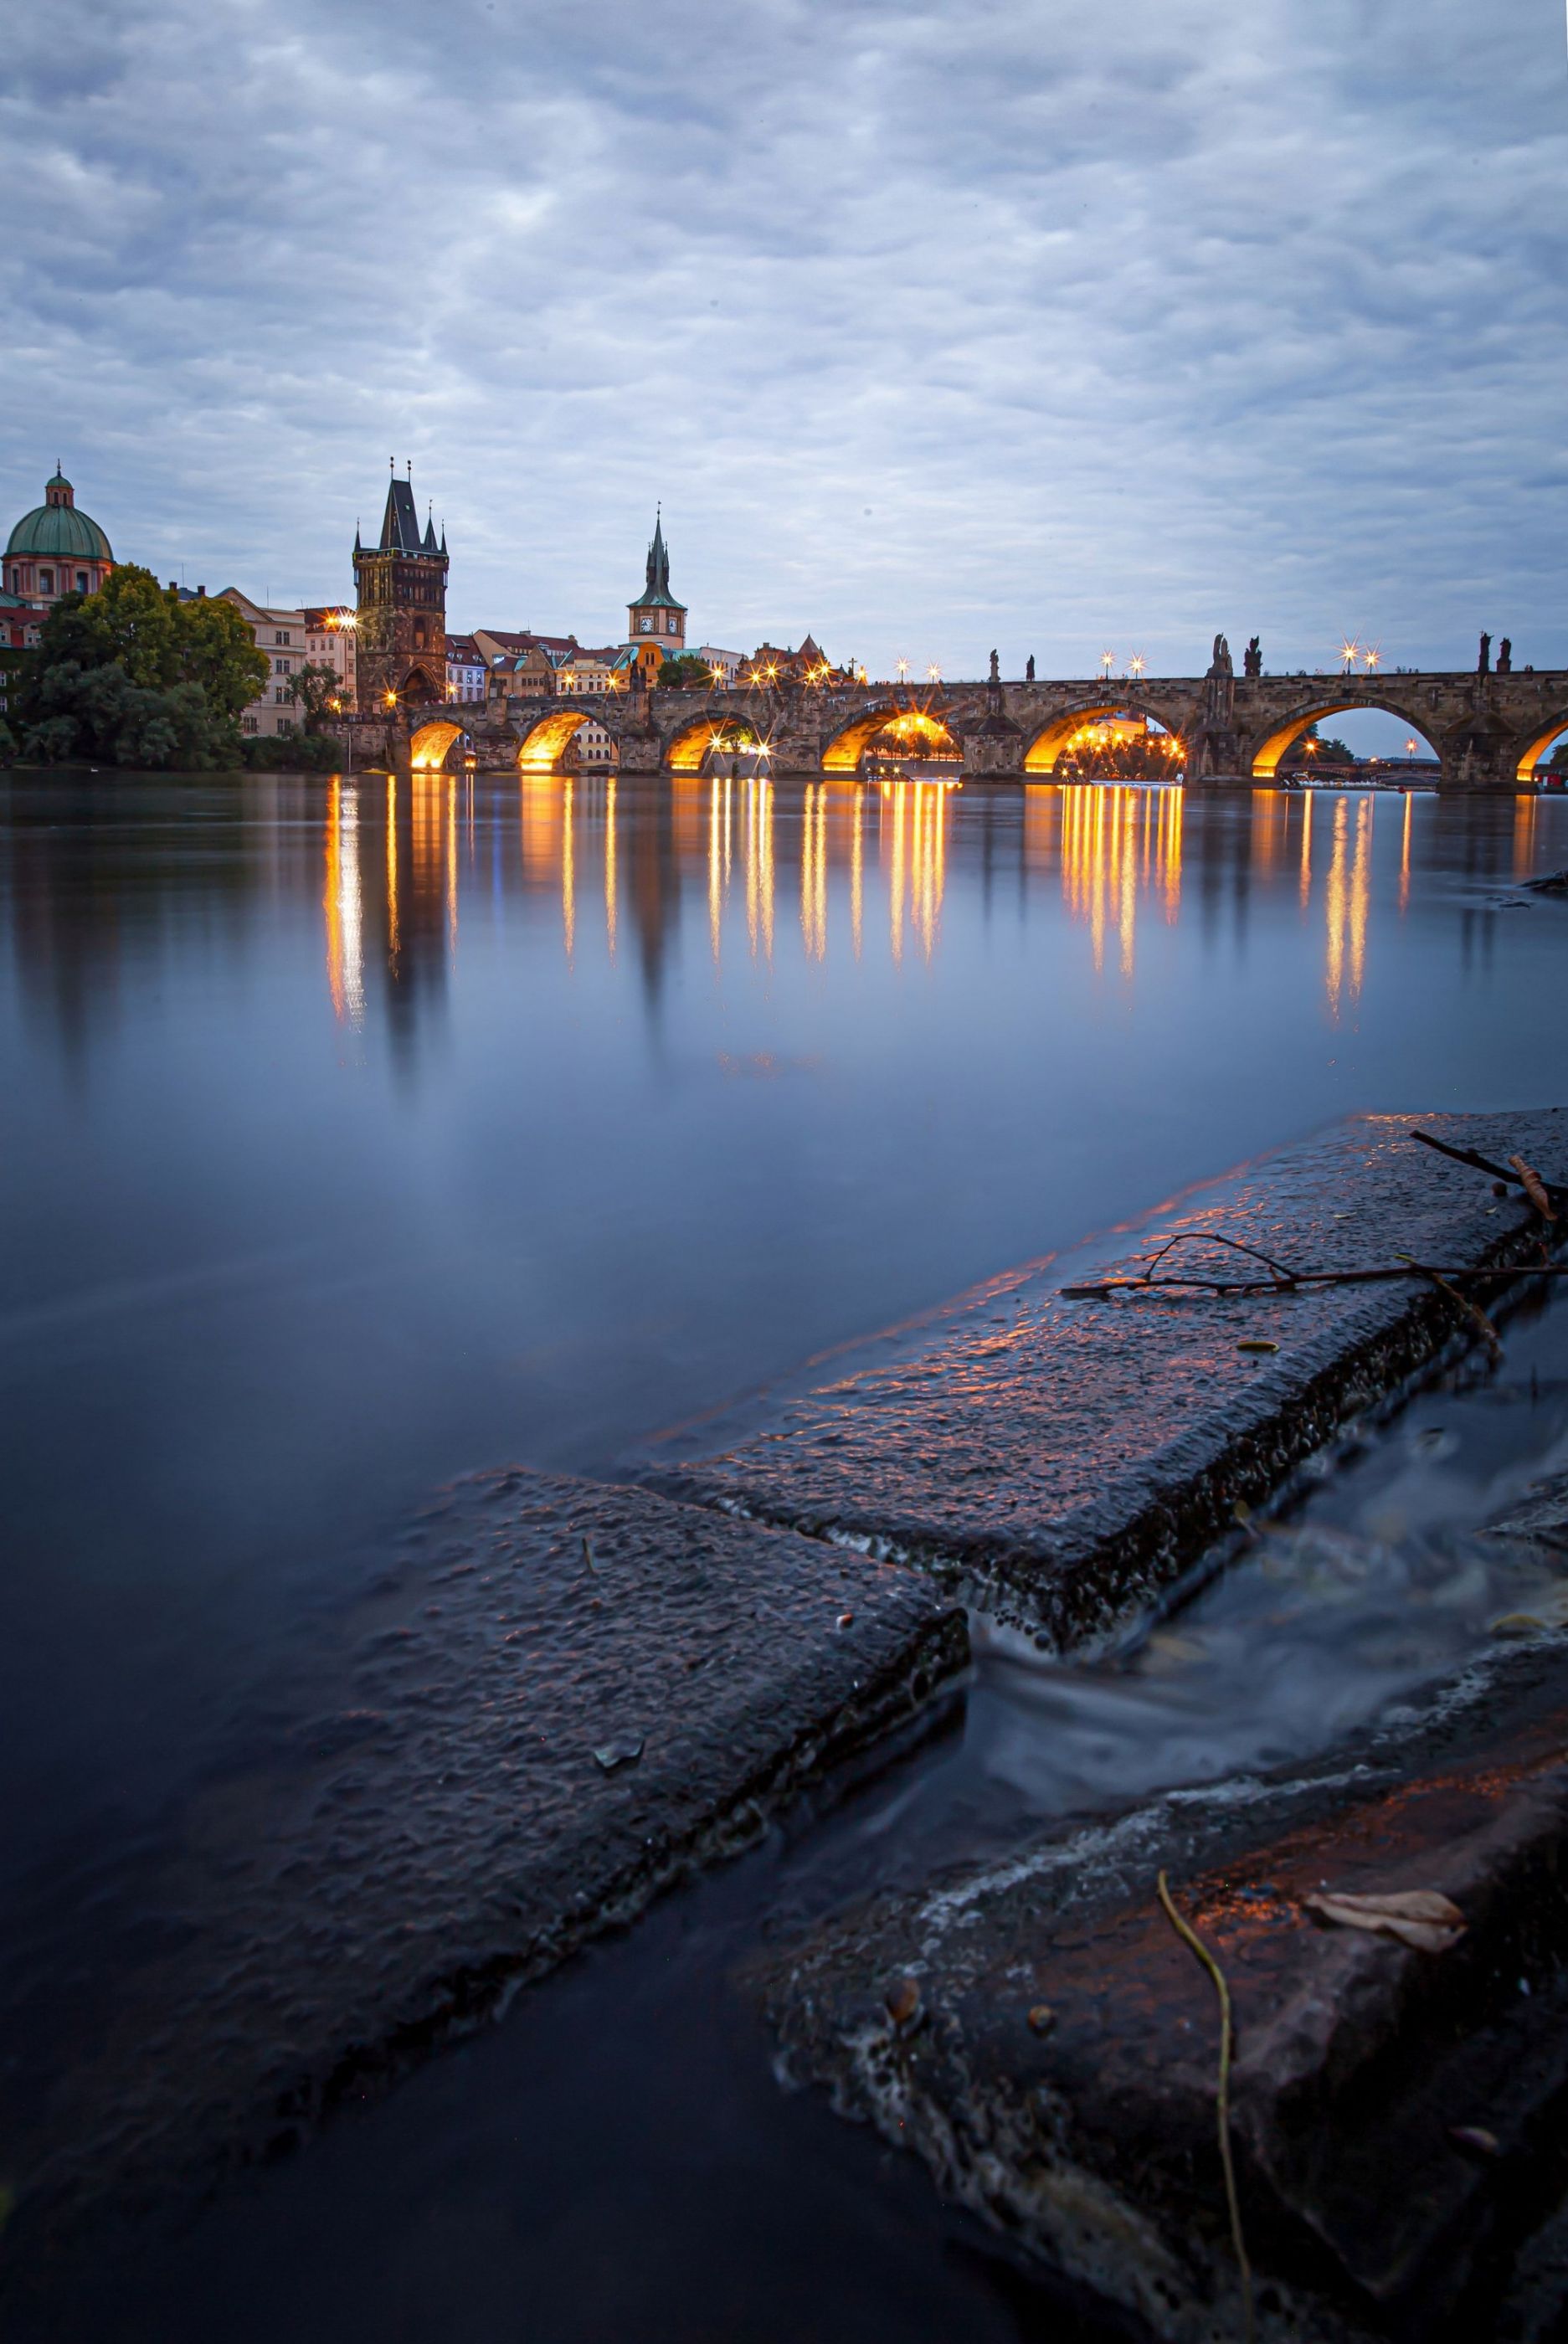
1116	852
367	1131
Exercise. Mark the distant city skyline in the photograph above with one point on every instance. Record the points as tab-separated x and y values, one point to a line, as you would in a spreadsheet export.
932	331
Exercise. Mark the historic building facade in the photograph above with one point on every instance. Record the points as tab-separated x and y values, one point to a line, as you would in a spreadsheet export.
321	636
401	585
465	668
54	549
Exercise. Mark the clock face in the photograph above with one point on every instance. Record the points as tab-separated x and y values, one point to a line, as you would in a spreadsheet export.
645	626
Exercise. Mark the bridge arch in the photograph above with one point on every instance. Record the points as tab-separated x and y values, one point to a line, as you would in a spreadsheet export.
1053	737
430	745
844	752
1536	746
688	749
1269	754
539	748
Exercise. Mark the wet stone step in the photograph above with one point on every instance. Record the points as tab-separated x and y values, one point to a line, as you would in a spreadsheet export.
1033	2028
564	1696
1077	1455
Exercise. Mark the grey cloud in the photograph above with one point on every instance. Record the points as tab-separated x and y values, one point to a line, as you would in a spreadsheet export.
1125	324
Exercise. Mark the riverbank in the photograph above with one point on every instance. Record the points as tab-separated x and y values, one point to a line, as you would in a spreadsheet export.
566	1695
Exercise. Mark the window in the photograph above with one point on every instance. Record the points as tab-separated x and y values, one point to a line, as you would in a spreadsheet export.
81	582
281	636
282	694
46	581
252	724
282	667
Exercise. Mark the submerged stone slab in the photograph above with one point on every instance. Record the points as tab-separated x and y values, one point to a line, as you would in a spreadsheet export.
1035	2029
1081	1454
566	1695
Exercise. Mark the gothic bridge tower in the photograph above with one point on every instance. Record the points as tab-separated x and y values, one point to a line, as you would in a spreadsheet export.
401	588
655	622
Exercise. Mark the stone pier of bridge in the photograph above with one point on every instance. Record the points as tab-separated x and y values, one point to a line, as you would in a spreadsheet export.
1487	731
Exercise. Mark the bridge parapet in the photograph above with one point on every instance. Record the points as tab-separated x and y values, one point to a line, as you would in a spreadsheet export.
1487	731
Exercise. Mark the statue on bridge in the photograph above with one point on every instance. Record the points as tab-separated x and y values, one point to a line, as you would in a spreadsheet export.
1505	656
1484	664
1252	658
1030	668
1220	665
996	669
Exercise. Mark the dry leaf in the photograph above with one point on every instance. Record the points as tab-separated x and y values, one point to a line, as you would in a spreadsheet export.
1533	1186
1518	1623
902	2001
1420	1917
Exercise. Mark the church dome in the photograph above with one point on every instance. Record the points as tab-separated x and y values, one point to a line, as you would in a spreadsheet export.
55	527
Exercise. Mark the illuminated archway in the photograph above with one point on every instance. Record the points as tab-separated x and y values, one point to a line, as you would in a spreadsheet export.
419	689
540	750
1268	759
1539	745
1080	726
429	745
691	747
914	730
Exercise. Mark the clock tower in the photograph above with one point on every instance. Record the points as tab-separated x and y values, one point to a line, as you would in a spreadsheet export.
655	622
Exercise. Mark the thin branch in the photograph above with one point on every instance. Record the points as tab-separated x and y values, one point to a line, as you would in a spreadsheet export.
1195	1945
1484	1164
1178	1284
1285	1278
1488	1332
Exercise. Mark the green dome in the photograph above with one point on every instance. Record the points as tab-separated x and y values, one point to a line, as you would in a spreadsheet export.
56	529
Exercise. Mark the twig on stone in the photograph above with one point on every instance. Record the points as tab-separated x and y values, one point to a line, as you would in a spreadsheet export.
1484	1327
1284	1279
1179	1283
1503	1172
1195	1945
1534	1187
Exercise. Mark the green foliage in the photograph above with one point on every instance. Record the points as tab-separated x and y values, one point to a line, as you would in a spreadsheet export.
686	673
133	676
295	753
215	650
1557	763
315	686
1322	752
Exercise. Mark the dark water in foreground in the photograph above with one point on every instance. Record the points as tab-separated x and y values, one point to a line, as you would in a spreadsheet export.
360	1134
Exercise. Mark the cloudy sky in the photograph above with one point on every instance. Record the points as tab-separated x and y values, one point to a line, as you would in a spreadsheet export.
1018	322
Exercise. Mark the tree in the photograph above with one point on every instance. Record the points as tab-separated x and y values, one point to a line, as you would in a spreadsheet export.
317	689
684	672
215	649
134	676
1322	752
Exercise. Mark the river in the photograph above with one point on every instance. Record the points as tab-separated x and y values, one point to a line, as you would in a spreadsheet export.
363	1132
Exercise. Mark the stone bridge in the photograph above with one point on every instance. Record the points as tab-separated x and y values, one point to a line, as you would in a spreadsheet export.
1487	731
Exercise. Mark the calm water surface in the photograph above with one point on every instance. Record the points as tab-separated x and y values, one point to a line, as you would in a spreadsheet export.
360	1133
